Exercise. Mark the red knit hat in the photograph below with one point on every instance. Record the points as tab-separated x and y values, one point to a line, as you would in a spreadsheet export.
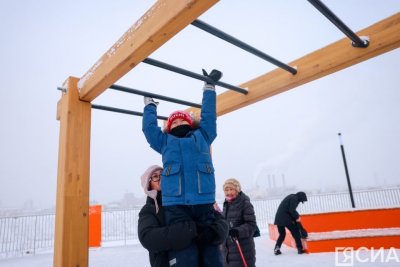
179	114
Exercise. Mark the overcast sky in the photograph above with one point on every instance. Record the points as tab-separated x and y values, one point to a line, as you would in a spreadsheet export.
292	134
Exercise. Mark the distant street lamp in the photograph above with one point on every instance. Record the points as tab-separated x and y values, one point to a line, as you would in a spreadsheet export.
346	170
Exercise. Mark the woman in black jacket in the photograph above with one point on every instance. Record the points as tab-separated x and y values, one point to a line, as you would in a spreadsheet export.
158	238
239	212
153	234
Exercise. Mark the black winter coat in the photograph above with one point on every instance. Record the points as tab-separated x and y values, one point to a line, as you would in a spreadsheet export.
241	216
158	238
287	213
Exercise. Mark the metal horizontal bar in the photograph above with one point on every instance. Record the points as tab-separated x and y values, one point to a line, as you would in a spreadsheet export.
161	97
224	36
357	41
169	67
124	111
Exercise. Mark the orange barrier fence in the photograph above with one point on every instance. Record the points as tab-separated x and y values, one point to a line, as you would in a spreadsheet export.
374	228
95	226
353	219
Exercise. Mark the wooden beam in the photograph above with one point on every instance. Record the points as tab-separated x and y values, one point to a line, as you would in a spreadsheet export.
72	207
159	24
383	36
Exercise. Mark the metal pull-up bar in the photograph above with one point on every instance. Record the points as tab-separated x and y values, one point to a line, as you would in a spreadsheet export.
161	97
357	41
138	92
224	36
169	67
124	111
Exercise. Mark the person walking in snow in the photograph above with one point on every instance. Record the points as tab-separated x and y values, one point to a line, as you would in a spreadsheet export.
239	212
188	182
288	217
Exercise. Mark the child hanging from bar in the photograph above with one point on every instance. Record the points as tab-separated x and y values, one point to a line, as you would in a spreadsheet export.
188	182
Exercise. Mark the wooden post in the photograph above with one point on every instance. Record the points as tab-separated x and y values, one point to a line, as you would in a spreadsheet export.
72	208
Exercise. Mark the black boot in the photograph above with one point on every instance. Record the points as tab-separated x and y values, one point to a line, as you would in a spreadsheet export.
301	251
277	251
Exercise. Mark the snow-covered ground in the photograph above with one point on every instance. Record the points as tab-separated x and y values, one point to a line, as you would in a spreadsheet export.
136	255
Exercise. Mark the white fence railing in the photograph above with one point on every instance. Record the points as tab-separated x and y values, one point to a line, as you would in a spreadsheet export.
27	235
119	225
24	235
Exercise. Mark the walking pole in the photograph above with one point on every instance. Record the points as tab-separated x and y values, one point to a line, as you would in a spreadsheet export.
240	251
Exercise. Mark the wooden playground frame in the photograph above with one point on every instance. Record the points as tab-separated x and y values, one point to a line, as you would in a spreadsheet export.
159	24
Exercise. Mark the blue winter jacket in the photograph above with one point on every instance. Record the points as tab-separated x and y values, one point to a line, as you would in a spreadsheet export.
188	175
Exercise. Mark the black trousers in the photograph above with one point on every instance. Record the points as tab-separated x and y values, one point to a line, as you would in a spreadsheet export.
294	230
202	214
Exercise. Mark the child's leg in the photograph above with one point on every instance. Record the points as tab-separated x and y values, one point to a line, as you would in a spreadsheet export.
178	213
188	256
211	254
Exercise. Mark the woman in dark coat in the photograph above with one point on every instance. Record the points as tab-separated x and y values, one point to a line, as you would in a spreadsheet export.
288	217
158	238
153	234
239	213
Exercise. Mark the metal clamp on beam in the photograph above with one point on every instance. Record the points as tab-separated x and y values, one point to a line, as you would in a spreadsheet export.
357	41
169	67
230	39
160	97
62	89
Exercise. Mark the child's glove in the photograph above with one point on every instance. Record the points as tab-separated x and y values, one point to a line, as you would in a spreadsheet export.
214	77
149	100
